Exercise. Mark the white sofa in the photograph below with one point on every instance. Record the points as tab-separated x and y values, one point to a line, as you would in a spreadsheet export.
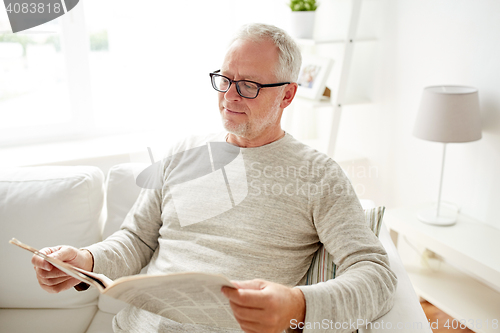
75	205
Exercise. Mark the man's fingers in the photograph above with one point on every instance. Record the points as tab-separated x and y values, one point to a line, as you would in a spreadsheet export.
65	253
246	314
249	293
53	281
53	273
262	306
250	284
40	262
254	317
246	297
250	327
61	286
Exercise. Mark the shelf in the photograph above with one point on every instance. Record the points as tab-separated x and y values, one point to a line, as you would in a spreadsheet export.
457	294
343	54
472	244
464	279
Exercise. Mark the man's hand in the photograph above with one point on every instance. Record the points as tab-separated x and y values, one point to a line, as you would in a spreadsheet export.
260	306
52	279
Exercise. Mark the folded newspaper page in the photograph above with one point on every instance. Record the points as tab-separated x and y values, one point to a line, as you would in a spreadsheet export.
191	297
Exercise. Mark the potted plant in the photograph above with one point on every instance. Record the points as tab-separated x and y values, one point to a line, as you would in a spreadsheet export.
303	12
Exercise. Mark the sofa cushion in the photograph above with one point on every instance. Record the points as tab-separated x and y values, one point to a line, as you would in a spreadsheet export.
46	206
121	194
47	320
102	323
406	307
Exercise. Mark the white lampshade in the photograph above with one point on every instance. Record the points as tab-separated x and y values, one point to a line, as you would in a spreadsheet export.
448	114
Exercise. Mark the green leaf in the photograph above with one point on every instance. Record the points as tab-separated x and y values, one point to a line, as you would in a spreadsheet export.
303	5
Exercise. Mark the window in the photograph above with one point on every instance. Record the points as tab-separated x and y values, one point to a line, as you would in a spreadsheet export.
33	82
119	67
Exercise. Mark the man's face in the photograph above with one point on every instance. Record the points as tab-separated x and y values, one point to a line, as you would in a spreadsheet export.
251	118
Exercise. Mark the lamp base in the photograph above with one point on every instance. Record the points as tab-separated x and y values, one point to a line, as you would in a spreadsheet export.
446	216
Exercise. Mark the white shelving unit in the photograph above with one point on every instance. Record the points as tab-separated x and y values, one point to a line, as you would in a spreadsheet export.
338	92
464	279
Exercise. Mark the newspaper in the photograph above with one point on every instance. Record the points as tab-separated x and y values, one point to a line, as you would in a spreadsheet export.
191	297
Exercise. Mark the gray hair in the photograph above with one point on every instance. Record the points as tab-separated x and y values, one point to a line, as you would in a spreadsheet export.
290	58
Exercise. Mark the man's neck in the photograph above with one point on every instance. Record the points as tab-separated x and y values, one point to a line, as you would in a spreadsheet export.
255	142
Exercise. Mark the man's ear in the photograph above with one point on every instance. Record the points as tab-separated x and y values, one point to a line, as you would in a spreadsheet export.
288	94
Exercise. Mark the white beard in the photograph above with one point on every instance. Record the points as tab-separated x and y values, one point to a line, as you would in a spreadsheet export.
251	130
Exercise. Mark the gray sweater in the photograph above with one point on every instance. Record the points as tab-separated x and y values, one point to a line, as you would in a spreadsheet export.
295	198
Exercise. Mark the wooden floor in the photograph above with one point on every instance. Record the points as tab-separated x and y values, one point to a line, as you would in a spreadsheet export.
438	319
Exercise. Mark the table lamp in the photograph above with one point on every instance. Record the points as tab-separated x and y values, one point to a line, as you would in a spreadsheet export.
447	114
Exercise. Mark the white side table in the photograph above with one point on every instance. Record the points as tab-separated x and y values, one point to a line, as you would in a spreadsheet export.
470	293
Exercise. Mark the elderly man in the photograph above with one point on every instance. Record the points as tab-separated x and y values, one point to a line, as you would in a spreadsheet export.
298	197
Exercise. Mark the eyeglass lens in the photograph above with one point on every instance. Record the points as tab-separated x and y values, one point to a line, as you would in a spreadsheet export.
245	88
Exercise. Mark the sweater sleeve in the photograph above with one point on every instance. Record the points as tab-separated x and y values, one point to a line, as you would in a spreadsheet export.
129	249
364	286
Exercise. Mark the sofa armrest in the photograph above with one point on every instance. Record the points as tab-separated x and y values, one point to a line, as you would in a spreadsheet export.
407	315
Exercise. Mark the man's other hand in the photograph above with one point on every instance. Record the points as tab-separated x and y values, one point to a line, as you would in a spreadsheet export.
260	306
52	279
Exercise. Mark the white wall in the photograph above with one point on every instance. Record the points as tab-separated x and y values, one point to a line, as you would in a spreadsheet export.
161	54
431	42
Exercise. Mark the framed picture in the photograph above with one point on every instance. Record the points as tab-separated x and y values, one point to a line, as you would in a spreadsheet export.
312	77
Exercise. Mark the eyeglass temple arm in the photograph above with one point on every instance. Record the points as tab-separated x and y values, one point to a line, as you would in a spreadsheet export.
274	84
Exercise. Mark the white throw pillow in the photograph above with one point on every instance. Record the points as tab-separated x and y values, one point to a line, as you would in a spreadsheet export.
46	206
121	194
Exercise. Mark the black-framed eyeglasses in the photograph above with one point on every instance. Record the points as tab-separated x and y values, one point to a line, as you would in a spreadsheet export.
245	88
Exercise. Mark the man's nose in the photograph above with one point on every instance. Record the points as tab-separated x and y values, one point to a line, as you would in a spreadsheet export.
232	93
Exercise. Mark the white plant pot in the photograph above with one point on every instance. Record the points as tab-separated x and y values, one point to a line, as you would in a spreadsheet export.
302	24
